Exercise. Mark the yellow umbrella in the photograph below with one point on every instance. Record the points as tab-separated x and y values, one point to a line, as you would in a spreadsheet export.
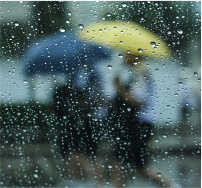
126	36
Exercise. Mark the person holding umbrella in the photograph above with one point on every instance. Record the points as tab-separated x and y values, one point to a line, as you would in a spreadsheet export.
77	102
132	114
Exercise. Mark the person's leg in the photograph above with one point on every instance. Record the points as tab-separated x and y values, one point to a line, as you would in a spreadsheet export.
77	166
118	178
155	176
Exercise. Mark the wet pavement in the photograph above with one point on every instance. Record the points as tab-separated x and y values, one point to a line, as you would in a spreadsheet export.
40	164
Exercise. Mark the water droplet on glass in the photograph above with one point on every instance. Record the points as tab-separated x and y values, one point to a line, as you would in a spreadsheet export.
164	136
124	5
69	13
180	31
62	29
169	32
81	26
135	62
110	166
36	175
67	21
120	55
108	15
156	70
195	73
109	67
153	44
158	174
16	24
121	42
129	109
140	50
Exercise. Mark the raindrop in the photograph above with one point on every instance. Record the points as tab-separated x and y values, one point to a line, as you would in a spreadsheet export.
134	177
36	175
156	70
164	136
180	83
62	29
121	42
16	24
195	73
135	62
180	31
169	32
69	13
108	15
124	5
129	109
81	26
109	166
109	67
120	55
140	50
67	21
158	174
153	44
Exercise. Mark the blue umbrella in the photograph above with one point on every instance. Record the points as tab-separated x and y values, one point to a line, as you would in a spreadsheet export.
62	53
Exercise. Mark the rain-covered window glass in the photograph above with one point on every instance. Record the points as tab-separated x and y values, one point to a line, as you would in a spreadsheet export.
100	94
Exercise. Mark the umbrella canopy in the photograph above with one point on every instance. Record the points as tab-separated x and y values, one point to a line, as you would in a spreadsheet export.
127	37
62	53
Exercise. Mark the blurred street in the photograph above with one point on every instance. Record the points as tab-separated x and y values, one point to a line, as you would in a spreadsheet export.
38	162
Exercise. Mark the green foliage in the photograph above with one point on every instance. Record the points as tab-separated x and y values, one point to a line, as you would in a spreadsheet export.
48	17
14	39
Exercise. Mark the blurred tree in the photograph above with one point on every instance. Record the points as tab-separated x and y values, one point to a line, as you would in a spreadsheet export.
14	39
48	17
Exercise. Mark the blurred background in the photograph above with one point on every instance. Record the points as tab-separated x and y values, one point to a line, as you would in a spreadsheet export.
29	153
